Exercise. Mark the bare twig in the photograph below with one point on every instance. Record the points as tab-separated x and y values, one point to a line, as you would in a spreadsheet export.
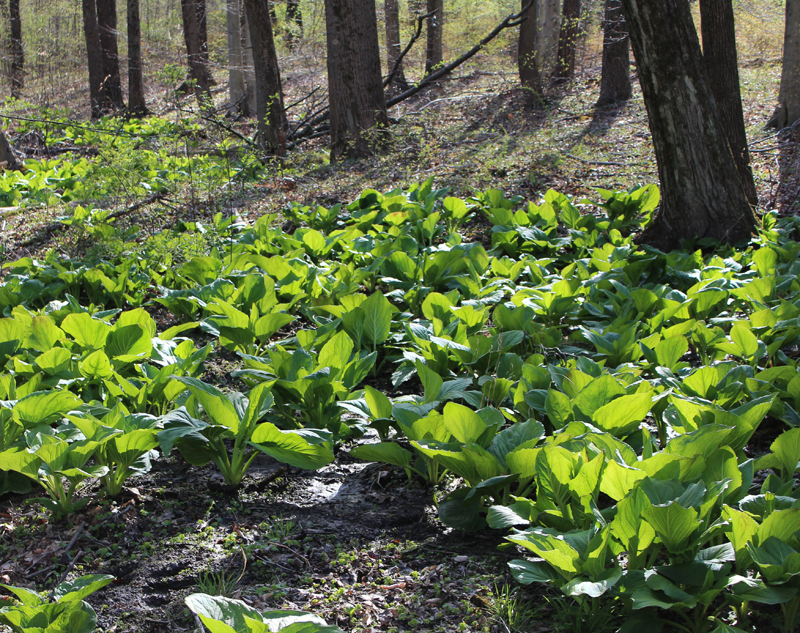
66	572
299	101
602	162
75	536
420	21
155	197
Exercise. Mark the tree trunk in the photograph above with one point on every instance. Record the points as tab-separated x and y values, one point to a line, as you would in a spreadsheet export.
701	192
107	25
195	35
538	36
293	28
392	16
236	86
788	110
615	81
357	106
722	70
94	55
568	39
269	96
7	155
433	51
136	101
16	52
249	73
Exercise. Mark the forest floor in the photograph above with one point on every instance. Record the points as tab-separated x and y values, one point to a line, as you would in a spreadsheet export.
358	544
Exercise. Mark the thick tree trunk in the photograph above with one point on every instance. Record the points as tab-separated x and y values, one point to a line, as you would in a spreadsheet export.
94	55
107	25
7	155
788	110
136	101
195	35
269	96
293	27
236	86
357	106
391	9
433	51
701	192
568	39
16	52
538	38
722	70
615	81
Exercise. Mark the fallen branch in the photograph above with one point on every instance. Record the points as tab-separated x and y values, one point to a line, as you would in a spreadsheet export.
310	129
602	162
515	19
414	38
155	197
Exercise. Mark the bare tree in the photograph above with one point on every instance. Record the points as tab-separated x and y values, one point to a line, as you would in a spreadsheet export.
94	55
615	80
136	101
391	9
788	110
433	51
568	39
722	70
538	37
195	35
107	26
16	52
236	85
357	107
272	122
701	190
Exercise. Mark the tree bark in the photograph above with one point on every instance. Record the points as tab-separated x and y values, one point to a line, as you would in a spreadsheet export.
357	106
787	112
107	25
391	10
433	51
195	34
615	81
722	70
538	37
94	55
702	195
272	122
136	101
568	39
16	52
7	155
249	73
236	85
293	27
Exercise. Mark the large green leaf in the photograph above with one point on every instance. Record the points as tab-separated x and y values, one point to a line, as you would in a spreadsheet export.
377	318
302	449
129	343
43	406
674	524
622	416
385	452
463	423
216	404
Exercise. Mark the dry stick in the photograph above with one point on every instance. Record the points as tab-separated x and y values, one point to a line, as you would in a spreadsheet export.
299	101
155	197
75	536
414	38
602	162
66	571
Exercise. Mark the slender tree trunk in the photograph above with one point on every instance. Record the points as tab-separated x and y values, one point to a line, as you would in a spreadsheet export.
293	28
195	35
701	192
615	81
391	10
788	110
16	52
249	72
107	25
94	55
236	86
538	38
357	106
722	70
568	39
433	51
7	155
136	101
269	96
